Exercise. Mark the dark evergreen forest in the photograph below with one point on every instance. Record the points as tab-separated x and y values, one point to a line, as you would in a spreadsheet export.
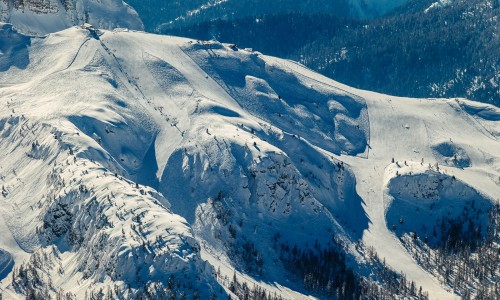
451	51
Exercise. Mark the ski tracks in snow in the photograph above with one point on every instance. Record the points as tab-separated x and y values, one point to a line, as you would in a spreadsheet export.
370	186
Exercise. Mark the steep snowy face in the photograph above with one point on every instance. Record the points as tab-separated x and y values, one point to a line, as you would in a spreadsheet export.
44	16
234	152
80	220
420	198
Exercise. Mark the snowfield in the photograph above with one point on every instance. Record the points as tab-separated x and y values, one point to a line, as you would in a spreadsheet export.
134	162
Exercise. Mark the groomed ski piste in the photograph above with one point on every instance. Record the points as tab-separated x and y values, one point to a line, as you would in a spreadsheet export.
129	157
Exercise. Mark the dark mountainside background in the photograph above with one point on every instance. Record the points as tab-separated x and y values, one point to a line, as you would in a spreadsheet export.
450	51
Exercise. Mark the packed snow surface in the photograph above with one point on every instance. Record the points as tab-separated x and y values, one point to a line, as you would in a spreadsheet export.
130	157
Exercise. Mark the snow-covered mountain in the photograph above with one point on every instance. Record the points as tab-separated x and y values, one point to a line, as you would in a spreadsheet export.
44	16
143	165
365	53
358	8
158	15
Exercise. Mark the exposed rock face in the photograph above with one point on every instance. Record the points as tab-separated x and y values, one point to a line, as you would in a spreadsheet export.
37	6
45	16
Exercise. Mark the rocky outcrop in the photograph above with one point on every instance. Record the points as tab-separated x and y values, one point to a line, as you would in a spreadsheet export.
37	6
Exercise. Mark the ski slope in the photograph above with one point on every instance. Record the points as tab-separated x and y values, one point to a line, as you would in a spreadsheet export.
132	157
406	129
403	129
